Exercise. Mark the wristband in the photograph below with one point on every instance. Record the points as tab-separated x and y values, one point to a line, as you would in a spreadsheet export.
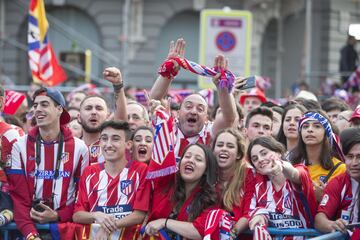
166	222
118	87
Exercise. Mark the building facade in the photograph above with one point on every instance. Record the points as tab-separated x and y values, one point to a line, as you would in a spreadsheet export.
289	44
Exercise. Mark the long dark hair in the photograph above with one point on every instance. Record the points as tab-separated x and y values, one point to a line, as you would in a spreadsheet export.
281	136
299	154
207	195
267	142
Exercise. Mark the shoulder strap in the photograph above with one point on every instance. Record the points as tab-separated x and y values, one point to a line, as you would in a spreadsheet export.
332	172
307	208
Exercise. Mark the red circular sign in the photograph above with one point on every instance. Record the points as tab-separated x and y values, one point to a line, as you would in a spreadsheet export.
226	41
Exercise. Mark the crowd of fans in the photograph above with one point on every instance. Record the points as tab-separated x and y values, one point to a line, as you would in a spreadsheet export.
247	161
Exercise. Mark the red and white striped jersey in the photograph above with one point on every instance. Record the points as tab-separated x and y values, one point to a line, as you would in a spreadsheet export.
119	196
339	201
9	134
203	137
285	208
59	193
95	155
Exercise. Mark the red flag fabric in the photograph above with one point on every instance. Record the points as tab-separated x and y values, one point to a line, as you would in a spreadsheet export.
13	101
218	225
42	59
261	233
163	161
356	234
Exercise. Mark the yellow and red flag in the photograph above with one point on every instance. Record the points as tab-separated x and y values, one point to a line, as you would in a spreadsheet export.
42	59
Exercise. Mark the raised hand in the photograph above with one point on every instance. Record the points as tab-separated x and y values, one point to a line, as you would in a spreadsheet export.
177	49
113	75
151	103
221	64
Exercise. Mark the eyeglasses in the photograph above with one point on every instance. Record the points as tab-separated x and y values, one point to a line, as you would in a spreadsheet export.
341	117
351	157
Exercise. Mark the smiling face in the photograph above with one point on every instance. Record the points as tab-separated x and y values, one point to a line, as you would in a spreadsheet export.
291	121
193	164
312	133
260	158
143	142
93	113
45	111
352	161
113	144
192	115
226	150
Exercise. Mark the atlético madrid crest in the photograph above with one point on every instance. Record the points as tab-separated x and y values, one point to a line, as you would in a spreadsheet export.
65	157
126	187
94	151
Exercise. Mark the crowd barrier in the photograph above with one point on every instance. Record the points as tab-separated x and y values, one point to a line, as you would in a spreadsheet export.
277	233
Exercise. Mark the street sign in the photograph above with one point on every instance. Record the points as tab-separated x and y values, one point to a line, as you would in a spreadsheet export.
227	33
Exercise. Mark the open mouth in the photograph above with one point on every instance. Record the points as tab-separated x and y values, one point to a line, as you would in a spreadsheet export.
189	169
191	120
142	151
224	156
40	117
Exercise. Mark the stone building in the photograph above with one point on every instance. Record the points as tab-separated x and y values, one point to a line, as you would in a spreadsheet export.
134	35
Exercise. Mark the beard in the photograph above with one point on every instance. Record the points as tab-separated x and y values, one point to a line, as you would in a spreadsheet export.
88	128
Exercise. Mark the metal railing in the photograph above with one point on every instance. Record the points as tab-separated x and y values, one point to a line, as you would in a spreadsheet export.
277	233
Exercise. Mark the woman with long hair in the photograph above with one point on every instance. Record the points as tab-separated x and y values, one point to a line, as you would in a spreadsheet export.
288	134
234	175
181	201
318	149
284	197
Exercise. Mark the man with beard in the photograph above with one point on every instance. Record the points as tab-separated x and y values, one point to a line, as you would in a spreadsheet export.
192	125
94	111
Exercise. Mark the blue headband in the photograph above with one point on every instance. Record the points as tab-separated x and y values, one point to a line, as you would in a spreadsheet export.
313	116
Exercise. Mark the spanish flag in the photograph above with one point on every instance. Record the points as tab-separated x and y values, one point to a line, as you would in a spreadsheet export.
42	59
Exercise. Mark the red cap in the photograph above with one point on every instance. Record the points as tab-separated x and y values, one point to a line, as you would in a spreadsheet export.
356	113
254	92
13	101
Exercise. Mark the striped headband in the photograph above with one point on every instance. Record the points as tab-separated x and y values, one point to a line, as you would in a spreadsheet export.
313	116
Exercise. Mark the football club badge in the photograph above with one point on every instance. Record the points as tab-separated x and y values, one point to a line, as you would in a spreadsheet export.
65	157
126	187
288	202
94	151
